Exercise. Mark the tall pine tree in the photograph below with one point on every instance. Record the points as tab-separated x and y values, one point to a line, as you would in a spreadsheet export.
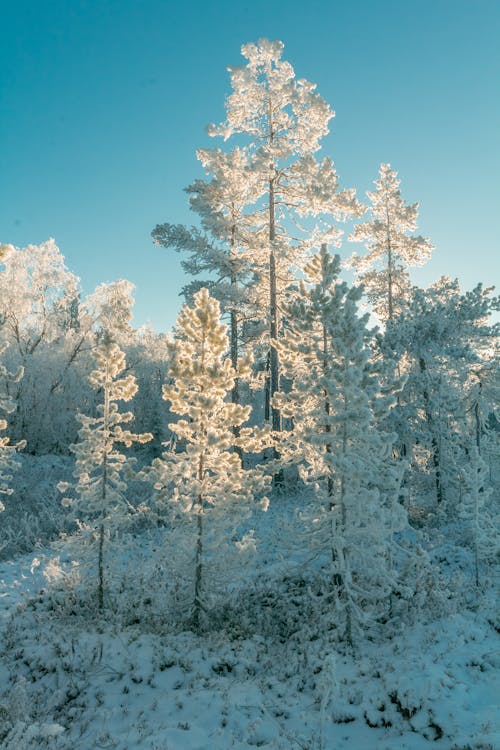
391	247
283	120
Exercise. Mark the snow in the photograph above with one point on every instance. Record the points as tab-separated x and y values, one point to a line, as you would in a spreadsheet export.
69	682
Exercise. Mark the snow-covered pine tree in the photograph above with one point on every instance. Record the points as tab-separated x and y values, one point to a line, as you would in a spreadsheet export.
336	402
443	335
476	510
391	247
7	451
224	250
283	119
99	505
204	488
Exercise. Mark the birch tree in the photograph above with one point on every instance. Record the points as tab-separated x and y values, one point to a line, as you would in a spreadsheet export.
38	312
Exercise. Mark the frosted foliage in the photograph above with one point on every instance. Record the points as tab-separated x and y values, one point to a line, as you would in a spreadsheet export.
110	308
204	486
267	82
448	345
392	249
39	319
98	504
7	405
223	252
281	120
36	295
284	119
478	513
336	401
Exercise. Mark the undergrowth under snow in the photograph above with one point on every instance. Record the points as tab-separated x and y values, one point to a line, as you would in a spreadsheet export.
68	684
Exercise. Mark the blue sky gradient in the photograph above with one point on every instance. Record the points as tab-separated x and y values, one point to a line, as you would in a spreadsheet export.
103	104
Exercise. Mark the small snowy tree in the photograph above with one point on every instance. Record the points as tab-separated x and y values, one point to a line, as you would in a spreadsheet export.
336	402
7	451
476	511
391	247
204	488
100	506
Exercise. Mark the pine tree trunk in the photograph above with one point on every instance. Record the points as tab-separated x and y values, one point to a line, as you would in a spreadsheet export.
198	571
390	264
104	486
267	389
328	427
198	566
436	453
273	293
348	630
198	579
337	580
100	566
273	310
234	342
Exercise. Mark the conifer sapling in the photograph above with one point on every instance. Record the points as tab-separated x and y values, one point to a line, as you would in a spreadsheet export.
100	506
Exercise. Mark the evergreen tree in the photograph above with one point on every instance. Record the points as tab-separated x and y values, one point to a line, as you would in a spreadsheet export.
284	119
336	402
391	247
100	506
444	336
475	509
204	487
224	250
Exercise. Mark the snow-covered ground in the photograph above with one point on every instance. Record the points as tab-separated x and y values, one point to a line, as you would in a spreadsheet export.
64	684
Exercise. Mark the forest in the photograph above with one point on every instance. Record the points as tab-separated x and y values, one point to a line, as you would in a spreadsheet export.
293	494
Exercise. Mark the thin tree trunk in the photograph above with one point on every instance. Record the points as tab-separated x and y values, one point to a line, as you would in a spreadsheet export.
267	389
328	428
273	293
101	568
337	578
344	522
198	575
100	563
234	342
389	265
273	309
435	450
198	566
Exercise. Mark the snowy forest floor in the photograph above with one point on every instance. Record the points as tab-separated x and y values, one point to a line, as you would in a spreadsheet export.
70	682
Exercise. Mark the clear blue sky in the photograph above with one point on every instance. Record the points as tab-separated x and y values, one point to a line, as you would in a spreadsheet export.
104	102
